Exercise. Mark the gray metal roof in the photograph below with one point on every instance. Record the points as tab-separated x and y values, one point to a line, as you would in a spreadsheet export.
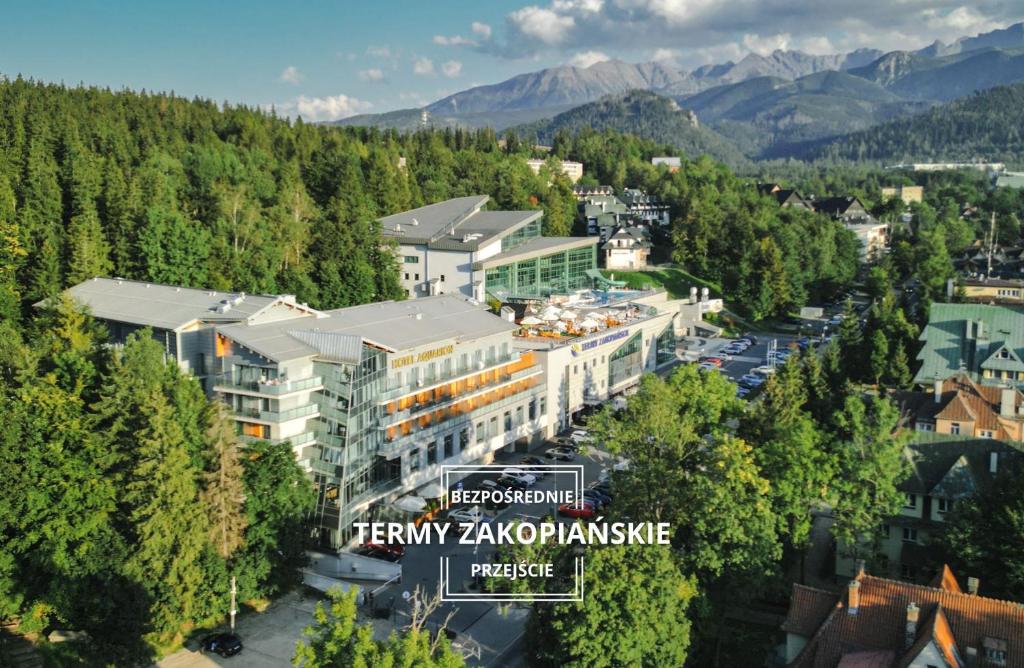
536	247
392	325
164	306
455	224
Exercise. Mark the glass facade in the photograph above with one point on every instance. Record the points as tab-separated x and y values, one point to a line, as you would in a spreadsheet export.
627	361
557	273
666	345
521	236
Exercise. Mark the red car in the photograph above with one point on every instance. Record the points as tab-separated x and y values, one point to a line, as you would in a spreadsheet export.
394	550
578	510
717	361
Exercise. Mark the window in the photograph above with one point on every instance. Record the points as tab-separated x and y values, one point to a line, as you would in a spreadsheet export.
442	278
417	276
493	429
532	409
911	501
907	572
945	505
519	414
411	259
925	426
1004	354
449	445
995	651
575	369
407	276
480	432
414	460
985	433
432	453
954	427
508	421
886	531
543	405
909	535
463	439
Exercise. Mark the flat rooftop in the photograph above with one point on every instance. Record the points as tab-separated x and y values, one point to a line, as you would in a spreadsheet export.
454	224
394	326
164	306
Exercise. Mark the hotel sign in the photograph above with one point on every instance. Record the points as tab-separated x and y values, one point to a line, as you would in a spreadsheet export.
580	348
425	356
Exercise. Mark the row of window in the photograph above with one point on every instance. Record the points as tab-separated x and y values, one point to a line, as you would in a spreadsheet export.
944	505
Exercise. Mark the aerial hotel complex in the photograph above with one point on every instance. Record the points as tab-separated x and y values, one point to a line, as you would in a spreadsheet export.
374	398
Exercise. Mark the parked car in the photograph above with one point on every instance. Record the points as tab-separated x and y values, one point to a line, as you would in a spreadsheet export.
466	514
598	496
717	361
396	550
752	380
561	454
579	436
377	552
225	644
511	483
752	340
764	370
531	459
578	510
489	486
742	392
520	474
707	366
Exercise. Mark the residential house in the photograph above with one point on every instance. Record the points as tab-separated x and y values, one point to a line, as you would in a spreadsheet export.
786	197
943	472
645	209
909	194
959	406
583	192
985	341
627	248
845	209
882	623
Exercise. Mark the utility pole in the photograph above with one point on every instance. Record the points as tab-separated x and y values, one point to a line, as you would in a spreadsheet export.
991	243
234	611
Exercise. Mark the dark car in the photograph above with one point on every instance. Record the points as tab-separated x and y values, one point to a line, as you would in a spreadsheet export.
511	483
531	459
378	553
594	498
225	644
396	550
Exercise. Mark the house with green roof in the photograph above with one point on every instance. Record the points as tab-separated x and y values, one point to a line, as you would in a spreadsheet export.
983	340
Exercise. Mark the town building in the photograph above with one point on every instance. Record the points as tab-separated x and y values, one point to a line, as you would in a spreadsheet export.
943	472
372	399
909	194
603	214
950	166
457	246
583	192
645	209
674	164
1010	180
987	290
595	347
786	197
883	623
627	248
845	209
984	341
959	406
573	170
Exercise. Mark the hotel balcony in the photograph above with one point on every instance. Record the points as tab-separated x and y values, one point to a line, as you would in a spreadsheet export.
277	417
295	441
512	359
269	388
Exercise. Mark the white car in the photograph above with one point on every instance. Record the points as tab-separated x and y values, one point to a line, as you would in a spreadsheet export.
579	437
518	474
466	514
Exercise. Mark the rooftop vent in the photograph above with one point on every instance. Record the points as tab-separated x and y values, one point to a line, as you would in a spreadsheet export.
414	222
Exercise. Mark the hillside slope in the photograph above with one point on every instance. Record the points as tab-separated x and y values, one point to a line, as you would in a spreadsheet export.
644	114
987	125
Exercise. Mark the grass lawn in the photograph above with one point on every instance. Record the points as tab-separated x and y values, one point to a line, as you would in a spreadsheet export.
676	281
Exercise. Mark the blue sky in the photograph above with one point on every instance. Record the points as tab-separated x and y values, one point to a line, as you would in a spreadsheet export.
328	59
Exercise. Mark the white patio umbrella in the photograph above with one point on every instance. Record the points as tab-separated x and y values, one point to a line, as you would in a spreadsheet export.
560	326
568	315
548	316
589	323
530	320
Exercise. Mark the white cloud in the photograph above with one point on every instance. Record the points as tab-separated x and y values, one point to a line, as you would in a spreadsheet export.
451	69
454	40
423	66
481	29
698	30
292	75
542	25
764	45
330	108
585	59
380	51
372	74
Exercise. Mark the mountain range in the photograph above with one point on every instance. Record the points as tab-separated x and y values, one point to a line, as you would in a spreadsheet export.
781	104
